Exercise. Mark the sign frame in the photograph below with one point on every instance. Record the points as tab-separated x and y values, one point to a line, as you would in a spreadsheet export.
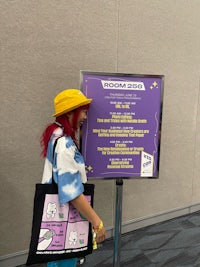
133	85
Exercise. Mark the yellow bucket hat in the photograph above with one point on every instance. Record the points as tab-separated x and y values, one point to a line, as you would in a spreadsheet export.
68	100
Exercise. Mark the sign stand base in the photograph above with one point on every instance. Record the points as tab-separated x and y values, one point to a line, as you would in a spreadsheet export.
118	223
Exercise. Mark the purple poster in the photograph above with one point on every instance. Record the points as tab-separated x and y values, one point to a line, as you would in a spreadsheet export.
122	134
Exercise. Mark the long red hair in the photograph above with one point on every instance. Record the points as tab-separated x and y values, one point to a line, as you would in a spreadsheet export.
68	130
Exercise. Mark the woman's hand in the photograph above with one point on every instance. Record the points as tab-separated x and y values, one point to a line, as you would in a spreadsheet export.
100	232
100	237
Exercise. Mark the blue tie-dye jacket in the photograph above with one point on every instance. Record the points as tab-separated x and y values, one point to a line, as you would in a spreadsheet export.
68	167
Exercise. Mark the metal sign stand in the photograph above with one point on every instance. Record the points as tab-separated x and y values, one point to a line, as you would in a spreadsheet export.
118	223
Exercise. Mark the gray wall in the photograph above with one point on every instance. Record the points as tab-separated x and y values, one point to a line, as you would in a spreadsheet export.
45	44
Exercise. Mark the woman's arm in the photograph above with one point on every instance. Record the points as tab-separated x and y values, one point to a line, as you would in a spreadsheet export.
82	205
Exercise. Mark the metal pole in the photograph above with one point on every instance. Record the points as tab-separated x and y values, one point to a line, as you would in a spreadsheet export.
118	223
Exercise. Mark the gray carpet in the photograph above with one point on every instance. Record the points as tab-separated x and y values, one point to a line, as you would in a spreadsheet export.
174	243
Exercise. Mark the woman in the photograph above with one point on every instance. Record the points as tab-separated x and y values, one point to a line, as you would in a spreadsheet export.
69	169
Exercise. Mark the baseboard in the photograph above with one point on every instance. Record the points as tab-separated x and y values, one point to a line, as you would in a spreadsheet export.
19	258
14	259
157	218
141	222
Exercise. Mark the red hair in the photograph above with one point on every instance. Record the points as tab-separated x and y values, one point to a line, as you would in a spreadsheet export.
68	130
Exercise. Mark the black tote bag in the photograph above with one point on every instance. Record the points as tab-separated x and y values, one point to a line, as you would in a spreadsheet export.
58	231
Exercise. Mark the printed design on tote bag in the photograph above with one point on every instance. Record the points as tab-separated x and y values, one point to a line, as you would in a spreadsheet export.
51	210
63	229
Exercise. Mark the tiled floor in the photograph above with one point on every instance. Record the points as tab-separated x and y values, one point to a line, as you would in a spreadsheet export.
174	243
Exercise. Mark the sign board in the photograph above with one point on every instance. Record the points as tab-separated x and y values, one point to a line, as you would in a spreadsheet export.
121	136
